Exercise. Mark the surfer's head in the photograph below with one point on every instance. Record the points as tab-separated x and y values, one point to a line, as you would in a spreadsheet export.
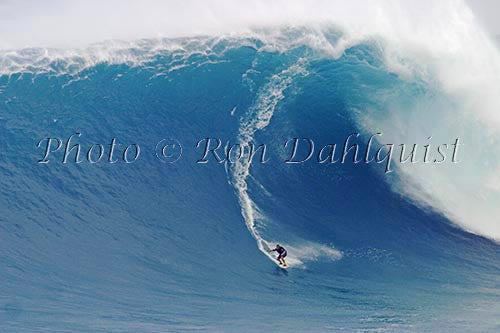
277	245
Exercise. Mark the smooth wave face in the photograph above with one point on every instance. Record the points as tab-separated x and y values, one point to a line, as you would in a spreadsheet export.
153	247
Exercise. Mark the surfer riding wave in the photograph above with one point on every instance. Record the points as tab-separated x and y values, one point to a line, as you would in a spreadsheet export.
281	254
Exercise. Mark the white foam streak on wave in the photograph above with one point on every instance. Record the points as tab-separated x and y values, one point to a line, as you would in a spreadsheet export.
308	251
257	118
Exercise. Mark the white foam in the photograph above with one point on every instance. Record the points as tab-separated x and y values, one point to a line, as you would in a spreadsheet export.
300	254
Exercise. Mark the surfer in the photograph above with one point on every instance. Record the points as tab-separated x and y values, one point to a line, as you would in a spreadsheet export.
281	254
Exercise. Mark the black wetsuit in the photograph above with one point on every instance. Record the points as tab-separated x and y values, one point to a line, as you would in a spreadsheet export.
281	251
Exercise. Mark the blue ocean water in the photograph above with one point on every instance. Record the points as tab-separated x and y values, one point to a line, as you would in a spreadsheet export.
174	247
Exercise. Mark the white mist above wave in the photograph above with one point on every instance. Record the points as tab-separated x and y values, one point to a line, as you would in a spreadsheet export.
73	23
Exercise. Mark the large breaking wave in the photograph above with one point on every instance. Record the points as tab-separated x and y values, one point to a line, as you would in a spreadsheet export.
450	89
